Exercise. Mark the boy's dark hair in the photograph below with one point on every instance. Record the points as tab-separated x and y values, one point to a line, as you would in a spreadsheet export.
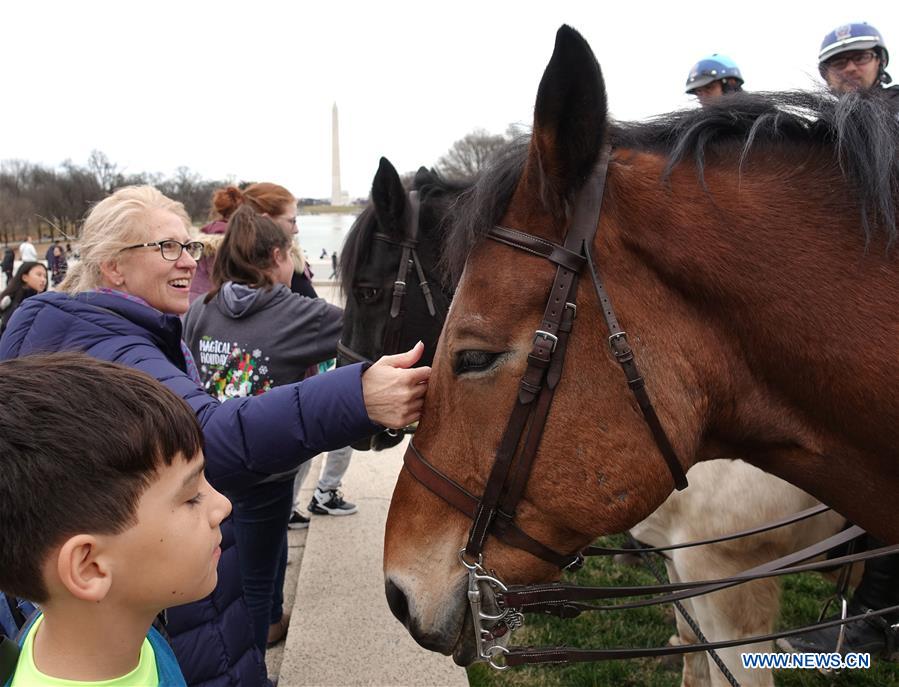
245	255
80	441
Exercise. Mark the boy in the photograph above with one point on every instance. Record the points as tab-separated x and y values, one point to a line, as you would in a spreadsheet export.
105	518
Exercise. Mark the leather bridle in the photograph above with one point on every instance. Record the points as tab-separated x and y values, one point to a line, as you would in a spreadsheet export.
493	513
390	341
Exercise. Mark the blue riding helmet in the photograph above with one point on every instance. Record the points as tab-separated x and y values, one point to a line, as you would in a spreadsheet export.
860	36
713	68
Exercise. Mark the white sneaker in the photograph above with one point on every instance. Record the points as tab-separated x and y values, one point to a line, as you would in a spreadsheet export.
330	503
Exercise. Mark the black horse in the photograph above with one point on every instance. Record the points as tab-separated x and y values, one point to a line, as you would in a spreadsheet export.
389	309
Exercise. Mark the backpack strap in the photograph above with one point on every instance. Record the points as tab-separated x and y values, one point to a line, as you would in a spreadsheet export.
11	622
9	656
11	617
167	667
13	629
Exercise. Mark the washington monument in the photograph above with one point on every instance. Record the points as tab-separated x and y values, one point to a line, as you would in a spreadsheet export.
337	196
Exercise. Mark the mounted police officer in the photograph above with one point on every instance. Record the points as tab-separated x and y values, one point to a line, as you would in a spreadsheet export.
854	57
712	77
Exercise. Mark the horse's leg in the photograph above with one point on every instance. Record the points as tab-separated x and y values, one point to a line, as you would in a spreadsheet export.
741	611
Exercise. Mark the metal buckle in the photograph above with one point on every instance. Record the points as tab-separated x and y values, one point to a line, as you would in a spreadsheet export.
573	307
547	336
576	564
618	335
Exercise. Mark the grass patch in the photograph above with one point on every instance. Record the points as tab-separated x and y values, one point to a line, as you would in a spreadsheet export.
803	598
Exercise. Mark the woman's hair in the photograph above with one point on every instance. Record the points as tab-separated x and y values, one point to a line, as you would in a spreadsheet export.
17	283
265	198
299	260
245	256
116	222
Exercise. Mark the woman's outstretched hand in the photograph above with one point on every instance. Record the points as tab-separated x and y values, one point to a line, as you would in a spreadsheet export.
393	390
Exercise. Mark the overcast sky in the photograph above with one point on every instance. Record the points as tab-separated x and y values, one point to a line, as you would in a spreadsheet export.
245	89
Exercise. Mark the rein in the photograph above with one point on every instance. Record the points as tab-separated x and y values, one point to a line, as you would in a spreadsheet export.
493	513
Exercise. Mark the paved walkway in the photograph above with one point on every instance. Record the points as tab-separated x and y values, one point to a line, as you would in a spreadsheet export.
341	630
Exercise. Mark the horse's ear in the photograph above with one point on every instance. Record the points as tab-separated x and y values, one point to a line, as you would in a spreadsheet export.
422	177
389	198
569	116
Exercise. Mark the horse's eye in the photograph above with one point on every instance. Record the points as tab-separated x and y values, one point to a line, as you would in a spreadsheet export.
366	294
474	361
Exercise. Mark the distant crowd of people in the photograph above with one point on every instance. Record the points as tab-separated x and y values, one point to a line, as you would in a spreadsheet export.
193	368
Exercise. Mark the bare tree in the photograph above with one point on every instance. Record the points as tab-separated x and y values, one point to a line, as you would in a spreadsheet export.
192	190
80	189
467	156
46	201
15	212
105	171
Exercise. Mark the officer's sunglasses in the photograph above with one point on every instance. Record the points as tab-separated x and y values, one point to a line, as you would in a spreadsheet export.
858	58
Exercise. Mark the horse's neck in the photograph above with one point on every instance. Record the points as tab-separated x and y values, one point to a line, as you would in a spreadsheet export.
780	283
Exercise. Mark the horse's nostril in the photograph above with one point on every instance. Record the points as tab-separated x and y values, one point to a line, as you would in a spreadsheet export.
396	599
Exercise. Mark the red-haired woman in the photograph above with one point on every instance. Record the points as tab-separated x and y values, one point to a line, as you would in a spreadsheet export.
265	198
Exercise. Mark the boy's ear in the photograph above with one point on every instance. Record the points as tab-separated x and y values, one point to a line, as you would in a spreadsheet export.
111	273
83	569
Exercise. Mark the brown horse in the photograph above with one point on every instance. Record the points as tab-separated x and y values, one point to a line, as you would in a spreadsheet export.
746	250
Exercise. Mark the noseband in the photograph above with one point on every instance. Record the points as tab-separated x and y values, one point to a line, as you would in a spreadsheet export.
494	512
390	342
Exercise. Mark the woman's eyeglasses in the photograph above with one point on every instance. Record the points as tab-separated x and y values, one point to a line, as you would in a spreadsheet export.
171	249
857	58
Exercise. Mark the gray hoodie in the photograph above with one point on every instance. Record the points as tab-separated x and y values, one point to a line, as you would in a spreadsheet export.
246	341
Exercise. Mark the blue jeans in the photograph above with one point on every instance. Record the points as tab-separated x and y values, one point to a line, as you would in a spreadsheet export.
260	516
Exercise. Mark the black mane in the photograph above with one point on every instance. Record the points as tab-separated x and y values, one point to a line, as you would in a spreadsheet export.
435	193
861	129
